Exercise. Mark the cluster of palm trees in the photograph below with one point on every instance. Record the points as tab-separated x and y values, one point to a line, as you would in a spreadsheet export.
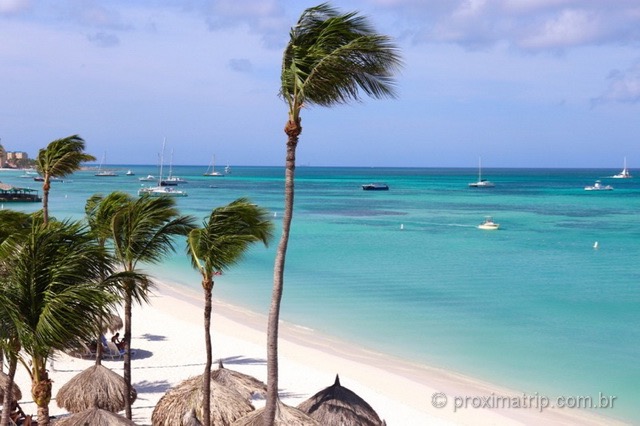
54	273
61	280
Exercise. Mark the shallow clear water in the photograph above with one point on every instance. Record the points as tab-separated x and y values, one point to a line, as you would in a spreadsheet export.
532	306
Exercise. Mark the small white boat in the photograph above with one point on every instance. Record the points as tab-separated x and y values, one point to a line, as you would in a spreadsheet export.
481	183
130	173
624	174
149	178
29	173
489	224
598	186
161	191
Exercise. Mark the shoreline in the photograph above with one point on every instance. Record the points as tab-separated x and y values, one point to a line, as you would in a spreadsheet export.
385	377
168	340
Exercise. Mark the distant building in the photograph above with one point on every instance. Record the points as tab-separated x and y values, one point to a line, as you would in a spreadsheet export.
15	159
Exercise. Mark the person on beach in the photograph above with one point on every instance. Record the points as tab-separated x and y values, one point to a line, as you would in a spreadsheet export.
120	344
116	338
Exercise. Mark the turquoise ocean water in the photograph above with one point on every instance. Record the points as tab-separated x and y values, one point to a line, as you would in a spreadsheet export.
533	306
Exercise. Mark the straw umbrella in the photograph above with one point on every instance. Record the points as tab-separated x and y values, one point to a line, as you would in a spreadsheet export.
285	416
339	406
245	385
95	387
4	379
226	405
95	417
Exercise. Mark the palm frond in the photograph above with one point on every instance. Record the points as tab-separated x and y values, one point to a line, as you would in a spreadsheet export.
62	157
332	58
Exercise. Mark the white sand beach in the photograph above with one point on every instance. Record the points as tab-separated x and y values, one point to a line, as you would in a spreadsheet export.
169	344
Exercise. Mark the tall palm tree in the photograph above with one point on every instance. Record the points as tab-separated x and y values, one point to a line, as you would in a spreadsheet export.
99	213
331	58
60	158
219	244
143	231
52	297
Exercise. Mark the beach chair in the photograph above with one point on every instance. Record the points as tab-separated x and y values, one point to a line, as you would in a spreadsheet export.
112	351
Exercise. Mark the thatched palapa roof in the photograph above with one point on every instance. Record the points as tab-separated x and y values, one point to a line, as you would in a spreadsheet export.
95	387
4	379
95	417
245	385
285	416
226	405
339	406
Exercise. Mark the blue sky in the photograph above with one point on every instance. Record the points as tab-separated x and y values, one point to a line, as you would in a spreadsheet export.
520	83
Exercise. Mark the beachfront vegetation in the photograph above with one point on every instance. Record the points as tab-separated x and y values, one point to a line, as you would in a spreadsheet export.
143	230
218	244
330	59
99	212
60	158
51	298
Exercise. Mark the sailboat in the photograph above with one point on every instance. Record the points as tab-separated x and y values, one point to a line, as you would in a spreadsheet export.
160	190
624	174
211	170
172	180
104	173
481	183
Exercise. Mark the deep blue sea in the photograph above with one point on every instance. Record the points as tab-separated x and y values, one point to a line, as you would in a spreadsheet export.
532	306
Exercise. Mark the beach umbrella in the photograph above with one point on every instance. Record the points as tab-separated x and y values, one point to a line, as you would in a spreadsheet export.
244	384
339	406
112	323
94	417
226	405
191	419
95	387
4	379
285	416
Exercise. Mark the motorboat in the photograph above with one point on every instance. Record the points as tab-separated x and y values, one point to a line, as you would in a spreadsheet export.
130	173
624	174
29	173
598	186
149	178
375	187
481	183
161	191
173	181
489	224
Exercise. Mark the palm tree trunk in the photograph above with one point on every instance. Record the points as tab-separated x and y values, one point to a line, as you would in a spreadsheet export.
46	186
207	284
8	391
292	129
127	352
41	391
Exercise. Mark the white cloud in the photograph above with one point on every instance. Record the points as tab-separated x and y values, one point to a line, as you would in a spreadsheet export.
624	87
10	7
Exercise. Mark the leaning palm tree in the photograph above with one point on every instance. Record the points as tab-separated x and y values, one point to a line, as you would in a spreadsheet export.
220	243
59	159
52	297
330	59
143	231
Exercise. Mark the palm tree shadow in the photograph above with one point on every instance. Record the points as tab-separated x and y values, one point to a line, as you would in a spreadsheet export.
158	386
243	360
153	337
